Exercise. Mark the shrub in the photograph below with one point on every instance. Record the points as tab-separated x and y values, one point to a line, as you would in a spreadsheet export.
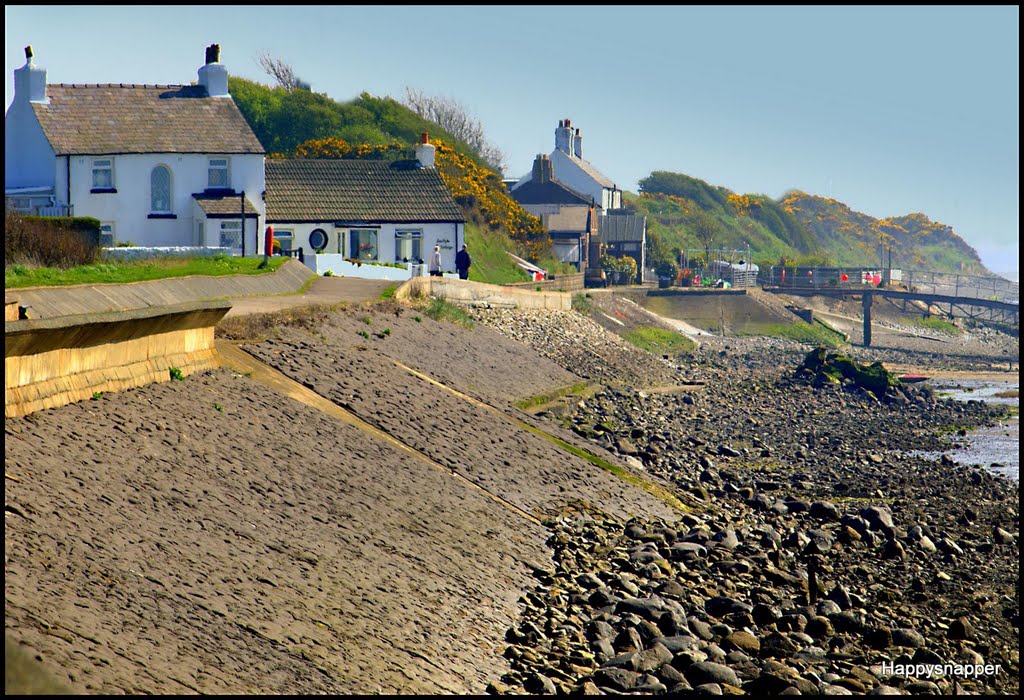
61	242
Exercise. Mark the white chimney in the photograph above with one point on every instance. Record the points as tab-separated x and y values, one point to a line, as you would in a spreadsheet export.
577	144
563	137
425	151
30	81
214	76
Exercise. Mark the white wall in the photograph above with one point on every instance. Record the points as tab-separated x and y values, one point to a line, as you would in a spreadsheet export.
573	176
28	158
129	207
450	237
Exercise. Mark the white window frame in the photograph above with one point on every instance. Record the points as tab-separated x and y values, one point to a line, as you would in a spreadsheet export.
103	165
285	234
234	225
217	165
355	253
107	238
412	235
170	190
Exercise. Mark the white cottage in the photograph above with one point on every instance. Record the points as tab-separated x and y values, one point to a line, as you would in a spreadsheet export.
363	212
579	175
158	165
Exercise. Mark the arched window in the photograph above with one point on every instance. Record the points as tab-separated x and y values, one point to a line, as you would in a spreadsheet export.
160	189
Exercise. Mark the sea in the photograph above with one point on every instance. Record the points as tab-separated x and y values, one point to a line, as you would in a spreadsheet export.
996	448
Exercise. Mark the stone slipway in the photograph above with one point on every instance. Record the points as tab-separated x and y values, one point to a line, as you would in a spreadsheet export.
53	302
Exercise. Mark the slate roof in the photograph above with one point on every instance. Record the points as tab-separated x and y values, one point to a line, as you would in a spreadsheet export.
621	227
550	192
357	191
569	219
120	118
223	206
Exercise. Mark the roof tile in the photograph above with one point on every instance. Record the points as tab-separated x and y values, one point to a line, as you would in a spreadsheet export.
357	191
100	119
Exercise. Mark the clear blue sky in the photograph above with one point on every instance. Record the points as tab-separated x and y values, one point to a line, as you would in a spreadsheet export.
891	110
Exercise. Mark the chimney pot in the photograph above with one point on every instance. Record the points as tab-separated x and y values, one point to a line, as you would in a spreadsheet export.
213	53
28	53
424	138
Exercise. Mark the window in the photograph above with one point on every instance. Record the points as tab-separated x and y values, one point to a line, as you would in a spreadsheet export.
318	239
231	234
409	246
284	237
103	174
107	235
362	244
220	178
160	189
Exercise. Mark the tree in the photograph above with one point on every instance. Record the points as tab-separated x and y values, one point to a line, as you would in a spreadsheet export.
451	116
283	73
706	228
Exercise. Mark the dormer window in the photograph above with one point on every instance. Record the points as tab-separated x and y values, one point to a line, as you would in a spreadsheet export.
220	177
102	175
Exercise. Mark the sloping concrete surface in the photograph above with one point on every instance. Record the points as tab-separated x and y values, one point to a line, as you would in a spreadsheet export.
54	302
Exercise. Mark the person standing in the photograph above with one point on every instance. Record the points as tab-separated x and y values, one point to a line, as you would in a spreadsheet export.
462	263
434	264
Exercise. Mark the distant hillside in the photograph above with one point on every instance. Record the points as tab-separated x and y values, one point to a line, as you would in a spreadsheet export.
672	203
801	228
290	123
855	238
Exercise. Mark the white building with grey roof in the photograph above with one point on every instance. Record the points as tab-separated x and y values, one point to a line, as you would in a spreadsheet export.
158	165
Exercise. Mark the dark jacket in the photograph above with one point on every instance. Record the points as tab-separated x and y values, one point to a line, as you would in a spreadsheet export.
462	260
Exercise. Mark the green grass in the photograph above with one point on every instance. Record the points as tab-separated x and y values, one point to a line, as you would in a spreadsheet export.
441	310
389	292
541	399
581	303
934	323
491	263
659	492
659	340
114	272
799	331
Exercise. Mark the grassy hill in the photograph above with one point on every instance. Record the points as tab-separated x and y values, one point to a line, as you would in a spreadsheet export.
854	238
672	203
301	123
803	229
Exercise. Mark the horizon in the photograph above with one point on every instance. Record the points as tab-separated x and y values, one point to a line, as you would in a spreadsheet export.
888	110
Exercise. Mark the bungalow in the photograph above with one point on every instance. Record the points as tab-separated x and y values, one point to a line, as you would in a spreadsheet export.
158	165
346	214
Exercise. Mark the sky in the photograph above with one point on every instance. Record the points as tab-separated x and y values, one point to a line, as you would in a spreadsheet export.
890	110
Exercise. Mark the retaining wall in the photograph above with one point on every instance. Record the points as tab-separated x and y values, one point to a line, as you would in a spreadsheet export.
467	292
572	282
54	362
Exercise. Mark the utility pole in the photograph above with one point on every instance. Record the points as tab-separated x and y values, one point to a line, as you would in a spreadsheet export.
241	210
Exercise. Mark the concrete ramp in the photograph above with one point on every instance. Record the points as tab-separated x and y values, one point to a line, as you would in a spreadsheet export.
53	362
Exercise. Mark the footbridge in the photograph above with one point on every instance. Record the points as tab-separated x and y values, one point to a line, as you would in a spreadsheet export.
992	310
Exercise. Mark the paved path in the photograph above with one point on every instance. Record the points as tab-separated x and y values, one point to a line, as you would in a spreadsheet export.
247	293
323	290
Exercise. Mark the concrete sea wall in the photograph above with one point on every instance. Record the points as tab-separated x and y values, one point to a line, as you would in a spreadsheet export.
53	362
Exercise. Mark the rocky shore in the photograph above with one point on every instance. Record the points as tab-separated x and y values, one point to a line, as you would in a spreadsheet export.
819	557
211	536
